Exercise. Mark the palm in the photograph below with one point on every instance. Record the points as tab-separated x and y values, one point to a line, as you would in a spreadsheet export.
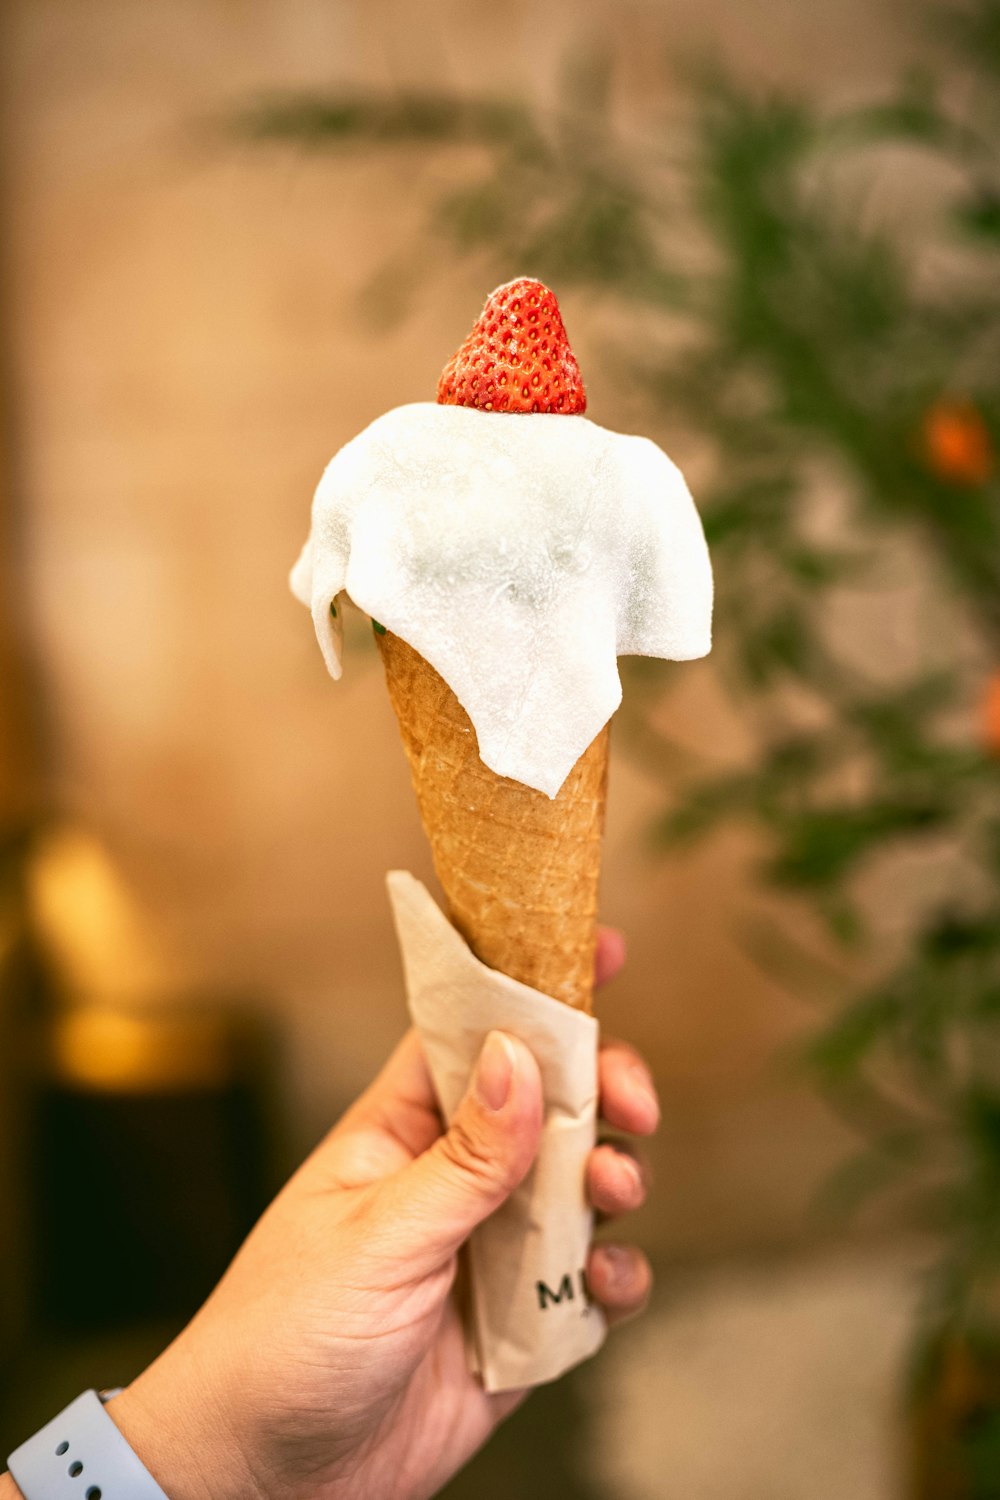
432	1410
444	1416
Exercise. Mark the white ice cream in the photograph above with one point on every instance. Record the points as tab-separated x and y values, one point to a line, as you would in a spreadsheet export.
521	555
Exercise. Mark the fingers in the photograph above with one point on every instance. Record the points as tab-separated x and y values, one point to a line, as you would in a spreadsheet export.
434	1204
619	1276
620	1279
610	954
616	1183
627	1091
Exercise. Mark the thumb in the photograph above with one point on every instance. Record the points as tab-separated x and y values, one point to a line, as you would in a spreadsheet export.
486	1151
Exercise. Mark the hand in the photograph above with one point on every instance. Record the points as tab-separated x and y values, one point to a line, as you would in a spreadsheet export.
329	1361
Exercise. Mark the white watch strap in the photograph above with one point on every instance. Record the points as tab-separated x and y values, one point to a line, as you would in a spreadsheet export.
81	1455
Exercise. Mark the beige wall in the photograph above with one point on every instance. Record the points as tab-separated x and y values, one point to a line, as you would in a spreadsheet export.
187	355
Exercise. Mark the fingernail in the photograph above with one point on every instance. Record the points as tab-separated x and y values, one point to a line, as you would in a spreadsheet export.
643	1088
617	1264
495	1071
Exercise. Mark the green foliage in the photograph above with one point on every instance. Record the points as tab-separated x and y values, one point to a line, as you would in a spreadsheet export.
814	347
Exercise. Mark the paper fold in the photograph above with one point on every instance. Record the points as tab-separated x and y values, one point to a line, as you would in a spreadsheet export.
530	1317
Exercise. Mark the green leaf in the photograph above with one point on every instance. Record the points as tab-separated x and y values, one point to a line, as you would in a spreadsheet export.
822	844
973	27
420	117
703	806
752	508
783	644
980	215
852	1037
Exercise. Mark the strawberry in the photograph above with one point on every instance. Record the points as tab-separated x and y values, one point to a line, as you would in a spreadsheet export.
517	357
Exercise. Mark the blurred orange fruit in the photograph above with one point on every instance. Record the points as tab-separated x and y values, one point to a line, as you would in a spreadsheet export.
956	442
990	715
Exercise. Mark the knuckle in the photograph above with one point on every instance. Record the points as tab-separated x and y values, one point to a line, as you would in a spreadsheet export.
470	1156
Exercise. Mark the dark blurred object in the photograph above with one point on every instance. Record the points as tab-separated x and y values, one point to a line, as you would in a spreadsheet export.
22	806
23	996
149	1161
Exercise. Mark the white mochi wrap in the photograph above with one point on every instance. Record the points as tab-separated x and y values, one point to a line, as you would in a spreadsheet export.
520	555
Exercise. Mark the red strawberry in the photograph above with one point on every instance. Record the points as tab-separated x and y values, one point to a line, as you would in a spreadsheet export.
517	357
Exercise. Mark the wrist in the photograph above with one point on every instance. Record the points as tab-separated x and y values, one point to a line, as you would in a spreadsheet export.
171	1422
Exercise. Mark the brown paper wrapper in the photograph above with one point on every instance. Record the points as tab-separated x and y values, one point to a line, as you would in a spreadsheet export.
529	1314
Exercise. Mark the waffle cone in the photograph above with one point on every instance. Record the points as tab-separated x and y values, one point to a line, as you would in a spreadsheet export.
519	870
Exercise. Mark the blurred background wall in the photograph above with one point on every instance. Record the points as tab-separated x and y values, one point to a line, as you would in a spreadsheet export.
185	349
186	353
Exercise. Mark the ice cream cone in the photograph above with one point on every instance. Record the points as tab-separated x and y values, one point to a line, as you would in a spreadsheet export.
519	870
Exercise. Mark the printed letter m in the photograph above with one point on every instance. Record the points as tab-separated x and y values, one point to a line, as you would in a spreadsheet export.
547	1295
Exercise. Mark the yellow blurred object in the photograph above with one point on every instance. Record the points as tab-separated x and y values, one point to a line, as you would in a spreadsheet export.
116	1051
100	947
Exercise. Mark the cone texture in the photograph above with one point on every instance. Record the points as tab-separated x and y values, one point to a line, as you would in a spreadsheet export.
519	870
